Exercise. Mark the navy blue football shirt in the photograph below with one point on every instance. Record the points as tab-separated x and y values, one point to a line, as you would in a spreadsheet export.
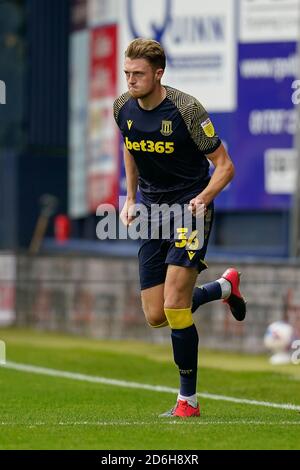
169	145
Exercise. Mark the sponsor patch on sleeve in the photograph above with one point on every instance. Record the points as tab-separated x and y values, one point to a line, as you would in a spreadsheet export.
208	128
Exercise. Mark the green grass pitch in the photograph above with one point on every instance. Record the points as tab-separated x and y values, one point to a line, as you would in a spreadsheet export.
49	412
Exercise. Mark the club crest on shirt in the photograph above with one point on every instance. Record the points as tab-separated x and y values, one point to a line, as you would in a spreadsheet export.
129	123
208	128
166	128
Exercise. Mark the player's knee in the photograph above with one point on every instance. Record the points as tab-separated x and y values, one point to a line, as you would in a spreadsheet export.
160	324
154	317
157	320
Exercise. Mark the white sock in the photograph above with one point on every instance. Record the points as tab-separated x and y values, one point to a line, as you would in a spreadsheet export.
192	400
225	287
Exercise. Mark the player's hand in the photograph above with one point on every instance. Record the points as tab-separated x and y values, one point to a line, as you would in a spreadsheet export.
127	214
197	206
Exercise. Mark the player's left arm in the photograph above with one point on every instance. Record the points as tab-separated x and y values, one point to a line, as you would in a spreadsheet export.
222	175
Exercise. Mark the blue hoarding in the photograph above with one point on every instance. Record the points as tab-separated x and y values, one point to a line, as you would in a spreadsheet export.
263	126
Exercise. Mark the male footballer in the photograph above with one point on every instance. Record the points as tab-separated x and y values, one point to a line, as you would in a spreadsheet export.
168	139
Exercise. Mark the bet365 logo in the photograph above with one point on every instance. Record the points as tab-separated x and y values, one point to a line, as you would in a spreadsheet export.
149	146
2	92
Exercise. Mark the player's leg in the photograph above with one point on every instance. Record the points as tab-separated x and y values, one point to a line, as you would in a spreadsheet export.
179	286
153	306
209	292
226	288
152	269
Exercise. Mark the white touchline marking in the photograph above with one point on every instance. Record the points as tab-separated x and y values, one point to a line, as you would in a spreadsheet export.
162	421
283	406
123	383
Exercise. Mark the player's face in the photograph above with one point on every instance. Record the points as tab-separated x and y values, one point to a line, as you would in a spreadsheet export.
141	78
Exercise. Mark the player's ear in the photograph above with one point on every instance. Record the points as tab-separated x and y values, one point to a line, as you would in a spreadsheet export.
159	73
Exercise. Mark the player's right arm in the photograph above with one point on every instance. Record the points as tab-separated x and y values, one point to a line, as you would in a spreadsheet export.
131	172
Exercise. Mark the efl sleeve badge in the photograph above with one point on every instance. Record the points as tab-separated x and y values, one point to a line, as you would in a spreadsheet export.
208	128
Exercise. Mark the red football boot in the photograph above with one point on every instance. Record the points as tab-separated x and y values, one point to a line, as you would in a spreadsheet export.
182	409
235	301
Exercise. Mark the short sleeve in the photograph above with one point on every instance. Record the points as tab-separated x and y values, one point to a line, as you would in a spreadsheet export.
202	130
118	105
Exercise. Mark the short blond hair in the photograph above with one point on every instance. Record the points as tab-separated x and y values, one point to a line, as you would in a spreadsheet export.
147	49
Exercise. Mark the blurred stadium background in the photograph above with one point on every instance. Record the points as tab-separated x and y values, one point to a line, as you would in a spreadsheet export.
60	157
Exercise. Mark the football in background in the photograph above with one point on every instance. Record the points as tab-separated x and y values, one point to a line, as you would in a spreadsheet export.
278	339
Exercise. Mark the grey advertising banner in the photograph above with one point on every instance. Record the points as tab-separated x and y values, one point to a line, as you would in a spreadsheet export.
101	298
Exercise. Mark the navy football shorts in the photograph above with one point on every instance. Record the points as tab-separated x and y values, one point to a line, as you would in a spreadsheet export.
180	250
